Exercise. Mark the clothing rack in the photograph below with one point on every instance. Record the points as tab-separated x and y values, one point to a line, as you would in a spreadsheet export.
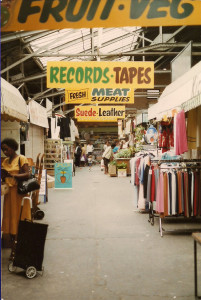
161	216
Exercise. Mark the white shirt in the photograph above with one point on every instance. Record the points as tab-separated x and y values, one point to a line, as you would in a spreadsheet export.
90	148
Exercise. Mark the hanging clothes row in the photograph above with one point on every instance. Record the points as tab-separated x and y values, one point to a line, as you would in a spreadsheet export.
139	166
62	127
178	192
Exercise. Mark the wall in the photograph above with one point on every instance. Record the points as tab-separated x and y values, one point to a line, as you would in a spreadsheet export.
10	130
35	144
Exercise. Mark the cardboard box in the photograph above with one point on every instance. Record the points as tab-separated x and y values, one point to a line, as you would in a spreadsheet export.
112	170
122	172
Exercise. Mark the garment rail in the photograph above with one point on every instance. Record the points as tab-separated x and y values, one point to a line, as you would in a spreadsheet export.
180	183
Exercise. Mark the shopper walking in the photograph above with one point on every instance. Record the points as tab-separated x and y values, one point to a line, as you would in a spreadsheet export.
78	153
14	168
107	155
83	155
90	149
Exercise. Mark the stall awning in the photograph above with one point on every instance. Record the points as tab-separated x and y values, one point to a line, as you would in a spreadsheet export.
13	105
38	114
183	93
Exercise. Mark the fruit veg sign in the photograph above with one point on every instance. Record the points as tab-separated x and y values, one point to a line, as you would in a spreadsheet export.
58	14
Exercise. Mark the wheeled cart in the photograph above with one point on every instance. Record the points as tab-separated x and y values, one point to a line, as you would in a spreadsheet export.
29	246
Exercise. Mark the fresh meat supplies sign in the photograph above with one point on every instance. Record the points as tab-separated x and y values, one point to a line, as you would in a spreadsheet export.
58	14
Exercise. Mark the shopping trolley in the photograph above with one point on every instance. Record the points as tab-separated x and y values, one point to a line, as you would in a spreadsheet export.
29	246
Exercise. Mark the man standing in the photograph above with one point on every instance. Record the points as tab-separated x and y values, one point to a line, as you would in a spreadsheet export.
78	152
90	149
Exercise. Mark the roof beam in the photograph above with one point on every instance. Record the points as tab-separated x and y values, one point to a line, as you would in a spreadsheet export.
17	35
118	54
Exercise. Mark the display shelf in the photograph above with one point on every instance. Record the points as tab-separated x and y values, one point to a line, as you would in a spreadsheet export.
53	154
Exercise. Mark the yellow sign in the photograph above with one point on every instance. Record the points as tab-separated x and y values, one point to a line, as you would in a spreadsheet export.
104	74
58	14
99	113
100	96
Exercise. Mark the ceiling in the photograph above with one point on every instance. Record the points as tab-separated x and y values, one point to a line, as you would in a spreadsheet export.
24	56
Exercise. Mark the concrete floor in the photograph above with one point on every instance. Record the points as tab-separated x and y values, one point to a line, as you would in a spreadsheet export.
100	248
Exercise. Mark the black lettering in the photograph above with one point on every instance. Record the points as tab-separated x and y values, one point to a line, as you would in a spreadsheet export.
137	8
70	16
107	9
26	9
153	11
93	9
187	7
54	11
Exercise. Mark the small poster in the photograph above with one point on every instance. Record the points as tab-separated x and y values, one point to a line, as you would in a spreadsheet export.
63	175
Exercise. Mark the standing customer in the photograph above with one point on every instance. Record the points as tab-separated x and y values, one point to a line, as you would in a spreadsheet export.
107	155
78	152
14	167
90	149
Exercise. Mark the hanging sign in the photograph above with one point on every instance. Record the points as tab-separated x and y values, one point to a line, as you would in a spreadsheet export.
99	113
58	14
104	74
100	96
63	175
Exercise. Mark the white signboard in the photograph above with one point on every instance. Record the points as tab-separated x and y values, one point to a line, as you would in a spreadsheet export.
38	114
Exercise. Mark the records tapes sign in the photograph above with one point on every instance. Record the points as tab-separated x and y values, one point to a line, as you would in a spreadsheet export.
95	74
58	14
99	113
100	82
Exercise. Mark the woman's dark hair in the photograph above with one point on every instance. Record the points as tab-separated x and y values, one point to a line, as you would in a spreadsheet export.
10	143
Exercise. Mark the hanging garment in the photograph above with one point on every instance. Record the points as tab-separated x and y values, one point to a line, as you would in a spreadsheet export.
64	127
156	175
179	179
192	193
191	129
137	164
181	138
186	208
165	180
170	193
141	200
160	195
145	182
152	184
173	194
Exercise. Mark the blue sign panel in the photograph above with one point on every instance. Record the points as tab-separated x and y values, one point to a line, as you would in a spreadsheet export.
63	175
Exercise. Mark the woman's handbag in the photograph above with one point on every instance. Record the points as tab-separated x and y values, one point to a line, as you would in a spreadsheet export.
29	185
